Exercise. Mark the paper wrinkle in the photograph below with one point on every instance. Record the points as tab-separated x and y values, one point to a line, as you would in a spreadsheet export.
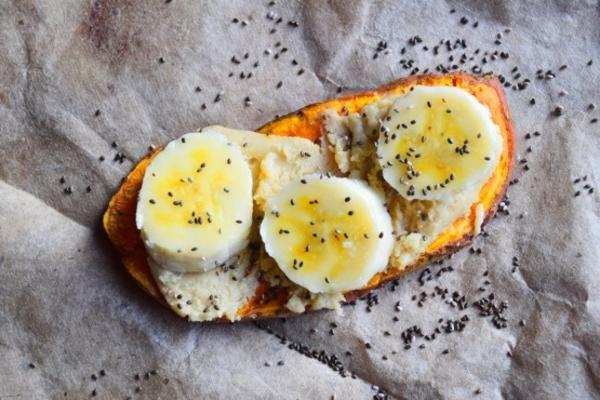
67	306
39	203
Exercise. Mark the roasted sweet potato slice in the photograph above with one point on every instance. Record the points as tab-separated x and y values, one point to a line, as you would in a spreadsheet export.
119	218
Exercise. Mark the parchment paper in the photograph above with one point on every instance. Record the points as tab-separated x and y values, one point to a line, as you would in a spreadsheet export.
68	310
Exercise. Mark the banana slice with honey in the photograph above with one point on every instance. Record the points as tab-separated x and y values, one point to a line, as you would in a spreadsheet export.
195	206
327	234
436	142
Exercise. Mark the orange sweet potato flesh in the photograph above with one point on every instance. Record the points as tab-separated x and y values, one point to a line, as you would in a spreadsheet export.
119	218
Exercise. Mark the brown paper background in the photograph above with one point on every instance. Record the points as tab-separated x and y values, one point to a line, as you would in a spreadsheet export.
67	306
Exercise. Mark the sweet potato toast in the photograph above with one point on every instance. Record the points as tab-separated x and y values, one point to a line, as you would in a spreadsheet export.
119	218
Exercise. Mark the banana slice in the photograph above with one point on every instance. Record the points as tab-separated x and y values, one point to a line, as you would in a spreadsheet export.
437	141
327	234
195	205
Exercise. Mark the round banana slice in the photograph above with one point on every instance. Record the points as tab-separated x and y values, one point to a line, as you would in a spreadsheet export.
437	141
327	234
195	205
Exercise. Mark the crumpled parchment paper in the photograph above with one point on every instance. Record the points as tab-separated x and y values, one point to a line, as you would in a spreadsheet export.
76	76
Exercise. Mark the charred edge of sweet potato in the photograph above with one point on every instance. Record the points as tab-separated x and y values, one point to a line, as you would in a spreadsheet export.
423	260
119	223
269	302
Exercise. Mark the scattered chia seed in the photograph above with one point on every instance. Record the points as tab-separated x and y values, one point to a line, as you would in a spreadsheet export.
558	111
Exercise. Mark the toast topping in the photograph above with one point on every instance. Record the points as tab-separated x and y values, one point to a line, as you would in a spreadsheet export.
436	142
327	234
195	206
